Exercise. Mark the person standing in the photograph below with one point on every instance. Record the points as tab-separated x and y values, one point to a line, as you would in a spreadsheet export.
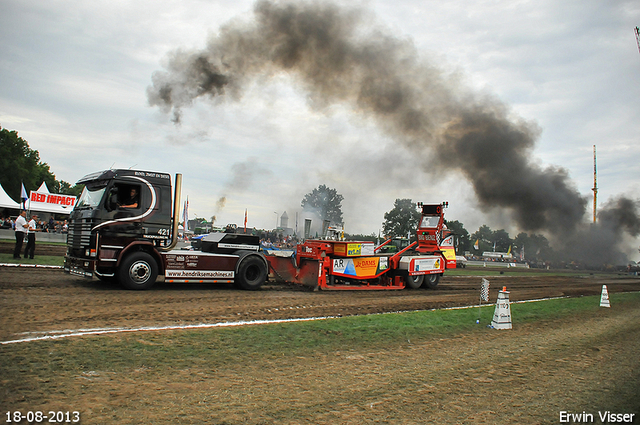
21	228
30	250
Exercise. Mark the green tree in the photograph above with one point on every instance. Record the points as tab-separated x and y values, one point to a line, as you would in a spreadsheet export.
326	202
67	189
402	219
535	247
501	240
21	164
484	237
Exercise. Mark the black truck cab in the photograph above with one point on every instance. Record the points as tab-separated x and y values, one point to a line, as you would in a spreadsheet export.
117	211
124	228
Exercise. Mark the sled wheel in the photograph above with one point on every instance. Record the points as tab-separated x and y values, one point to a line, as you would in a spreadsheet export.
431	280
414	282
138	271
252	273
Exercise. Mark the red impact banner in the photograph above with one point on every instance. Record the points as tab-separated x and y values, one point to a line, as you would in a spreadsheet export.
50	198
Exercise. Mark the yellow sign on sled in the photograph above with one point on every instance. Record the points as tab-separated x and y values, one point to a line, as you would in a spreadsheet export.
362	268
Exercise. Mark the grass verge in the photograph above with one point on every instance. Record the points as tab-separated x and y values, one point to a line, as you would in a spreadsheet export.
181	348
44	260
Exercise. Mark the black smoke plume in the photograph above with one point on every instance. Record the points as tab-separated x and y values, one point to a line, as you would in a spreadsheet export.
603	242
341	56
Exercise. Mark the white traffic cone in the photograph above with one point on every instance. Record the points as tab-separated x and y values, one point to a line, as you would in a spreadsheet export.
604	298
502	313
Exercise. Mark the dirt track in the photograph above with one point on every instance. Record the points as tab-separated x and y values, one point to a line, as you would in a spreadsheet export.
525	376
45	300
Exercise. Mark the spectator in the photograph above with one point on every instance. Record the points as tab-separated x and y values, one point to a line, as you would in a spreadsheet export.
29	251
21	228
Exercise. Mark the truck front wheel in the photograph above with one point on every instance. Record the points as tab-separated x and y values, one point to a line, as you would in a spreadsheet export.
138	271
252	273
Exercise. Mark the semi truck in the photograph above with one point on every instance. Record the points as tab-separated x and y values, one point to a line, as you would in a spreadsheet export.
124	228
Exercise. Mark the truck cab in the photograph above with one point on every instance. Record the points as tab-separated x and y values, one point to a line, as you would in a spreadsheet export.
123	228
117	212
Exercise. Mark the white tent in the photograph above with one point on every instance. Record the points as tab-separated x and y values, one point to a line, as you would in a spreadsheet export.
43	188
6	201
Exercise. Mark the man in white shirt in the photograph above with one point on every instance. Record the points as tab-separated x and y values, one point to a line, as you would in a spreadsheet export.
21	228
29	251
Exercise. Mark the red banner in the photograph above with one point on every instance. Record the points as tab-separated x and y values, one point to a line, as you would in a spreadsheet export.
50	198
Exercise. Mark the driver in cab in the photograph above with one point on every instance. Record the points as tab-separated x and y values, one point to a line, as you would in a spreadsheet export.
132	201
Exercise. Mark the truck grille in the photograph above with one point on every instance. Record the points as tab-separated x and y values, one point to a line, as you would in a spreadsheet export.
79	235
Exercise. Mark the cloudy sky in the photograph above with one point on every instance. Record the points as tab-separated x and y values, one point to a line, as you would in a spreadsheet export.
74	77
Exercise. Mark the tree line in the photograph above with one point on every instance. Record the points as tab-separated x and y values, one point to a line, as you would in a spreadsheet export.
19	164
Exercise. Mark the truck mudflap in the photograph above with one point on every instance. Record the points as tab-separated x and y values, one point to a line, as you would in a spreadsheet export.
79	267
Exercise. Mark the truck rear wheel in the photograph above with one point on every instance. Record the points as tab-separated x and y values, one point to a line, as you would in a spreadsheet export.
431	280
252	273
138	271
413	282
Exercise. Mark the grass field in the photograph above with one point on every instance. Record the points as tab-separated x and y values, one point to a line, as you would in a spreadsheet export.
45	260
6	255
308	337
417	367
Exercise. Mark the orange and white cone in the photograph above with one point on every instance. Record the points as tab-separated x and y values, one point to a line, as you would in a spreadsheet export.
604	298
502	313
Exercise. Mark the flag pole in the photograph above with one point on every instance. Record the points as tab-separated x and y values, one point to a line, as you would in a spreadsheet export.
24	196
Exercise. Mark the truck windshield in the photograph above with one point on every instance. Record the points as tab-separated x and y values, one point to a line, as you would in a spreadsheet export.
430	221
91	196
